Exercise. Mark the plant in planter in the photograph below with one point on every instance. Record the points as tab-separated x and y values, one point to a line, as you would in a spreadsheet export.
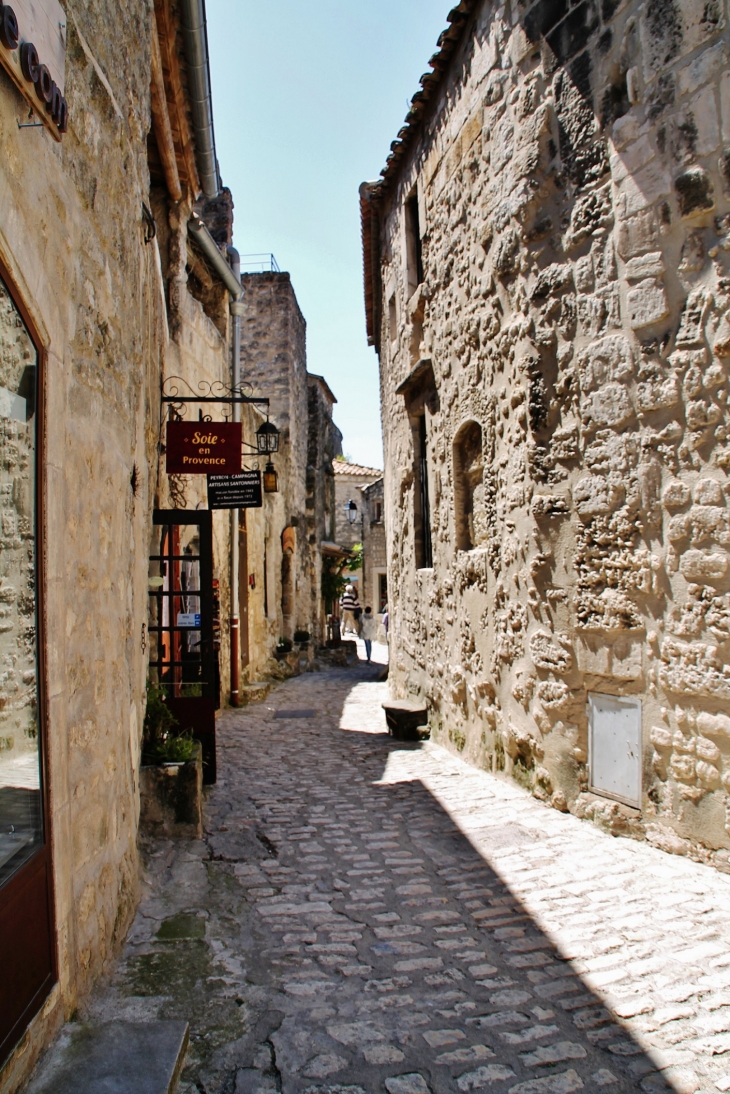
284	645
302	637
171	776
160	743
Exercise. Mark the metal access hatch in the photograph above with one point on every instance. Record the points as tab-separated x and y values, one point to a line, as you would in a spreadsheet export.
614	747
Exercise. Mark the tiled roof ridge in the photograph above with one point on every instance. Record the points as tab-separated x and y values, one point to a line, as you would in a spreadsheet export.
344	467
448	41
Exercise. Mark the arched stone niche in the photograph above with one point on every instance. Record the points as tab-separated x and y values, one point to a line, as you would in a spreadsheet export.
469	486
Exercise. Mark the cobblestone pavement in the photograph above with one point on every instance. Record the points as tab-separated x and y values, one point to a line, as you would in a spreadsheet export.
366	915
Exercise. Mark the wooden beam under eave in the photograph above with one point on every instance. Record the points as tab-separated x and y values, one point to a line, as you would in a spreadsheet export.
161	121
177	105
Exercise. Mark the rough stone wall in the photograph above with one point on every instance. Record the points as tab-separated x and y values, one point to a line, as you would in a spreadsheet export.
573	195
324	443
72	238
274	363
349	487
375	560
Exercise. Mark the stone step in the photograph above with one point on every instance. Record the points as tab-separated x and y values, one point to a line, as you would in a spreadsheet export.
113	1058
254	693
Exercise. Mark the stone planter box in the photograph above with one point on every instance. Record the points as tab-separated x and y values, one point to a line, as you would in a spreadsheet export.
171	799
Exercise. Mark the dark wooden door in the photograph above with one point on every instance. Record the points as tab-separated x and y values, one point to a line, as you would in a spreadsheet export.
243	588
183	659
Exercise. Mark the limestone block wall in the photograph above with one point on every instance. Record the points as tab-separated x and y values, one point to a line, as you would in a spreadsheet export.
198	352
375	559
72	238
555	252
348	488
274	363
324	444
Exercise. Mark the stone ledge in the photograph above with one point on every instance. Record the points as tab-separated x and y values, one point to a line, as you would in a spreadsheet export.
116	1058
254	693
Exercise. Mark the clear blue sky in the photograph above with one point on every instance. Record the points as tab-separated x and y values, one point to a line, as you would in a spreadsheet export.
307	96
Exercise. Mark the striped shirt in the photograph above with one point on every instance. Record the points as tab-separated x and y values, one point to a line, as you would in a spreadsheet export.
348	602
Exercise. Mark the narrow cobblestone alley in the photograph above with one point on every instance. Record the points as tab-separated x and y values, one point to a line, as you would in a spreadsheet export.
368	915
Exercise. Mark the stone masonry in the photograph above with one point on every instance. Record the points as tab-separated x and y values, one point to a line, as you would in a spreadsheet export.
351	483
547	272
274	363
375	561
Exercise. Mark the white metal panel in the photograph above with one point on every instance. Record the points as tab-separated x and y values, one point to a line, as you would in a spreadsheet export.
615	747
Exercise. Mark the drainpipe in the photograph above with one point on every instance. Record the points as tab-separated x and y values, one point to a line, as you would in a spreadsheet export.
195	37
236	308
198	231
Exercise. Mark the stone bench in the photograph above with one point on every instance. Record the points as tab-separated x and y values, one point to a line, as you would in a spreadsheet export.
407	719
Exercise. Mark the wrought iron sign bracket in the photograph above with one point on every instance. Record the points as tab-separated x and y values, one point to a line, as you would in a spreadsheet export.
176	393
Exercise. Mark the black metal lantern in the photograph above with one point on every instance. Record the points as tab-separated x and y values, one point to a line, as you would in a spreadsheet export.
271	479
351	511
267	438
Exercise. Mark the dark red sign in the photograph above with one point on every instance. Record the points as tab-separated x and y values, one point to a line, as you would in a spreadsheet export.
202	448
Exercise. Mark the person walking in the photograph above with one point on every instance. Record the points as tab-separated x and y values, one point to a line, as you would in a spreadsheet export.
368	627
348	604
386	621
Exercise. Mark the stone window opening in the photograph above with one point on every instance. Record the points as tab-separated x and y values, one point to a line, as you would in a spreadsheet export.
421	500
414	245
468	478
392	318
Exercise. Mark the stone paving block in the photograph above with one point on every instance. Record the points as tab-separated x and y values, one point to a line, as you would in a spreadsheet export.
380	917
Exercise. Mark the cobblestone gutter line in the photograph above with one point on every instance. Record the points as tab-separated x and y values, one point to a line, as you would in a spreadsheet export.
370	916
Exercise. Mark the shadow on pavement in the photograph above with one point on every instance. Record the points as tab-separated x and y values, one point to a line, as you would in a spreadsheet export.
347	937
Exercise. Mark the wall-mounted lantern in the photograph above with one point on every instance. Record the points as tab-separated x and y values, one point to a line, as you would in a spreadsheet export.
271	479
351	511
267	438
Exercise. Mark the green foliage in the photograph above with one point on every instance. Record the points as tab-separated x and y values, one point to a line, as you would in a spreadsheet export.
176	749
159	743
333	574
284	645
158	718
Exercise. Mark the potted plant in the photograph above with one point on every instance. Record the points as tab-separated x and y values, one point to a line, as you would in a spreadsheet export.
171	775
302	637
284	646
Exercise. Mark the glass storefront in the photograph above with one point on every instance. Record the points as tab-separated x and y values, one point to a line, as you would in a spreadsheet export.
21	813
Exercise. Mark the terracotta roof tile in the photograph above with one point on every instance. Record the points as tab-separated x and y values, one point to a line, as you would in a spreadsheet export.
342	467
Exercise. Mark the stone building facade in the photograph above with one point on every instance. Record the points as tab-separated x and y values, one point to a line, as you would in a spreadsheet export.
375	558
324	446
351	481
103	297
547	284
274	363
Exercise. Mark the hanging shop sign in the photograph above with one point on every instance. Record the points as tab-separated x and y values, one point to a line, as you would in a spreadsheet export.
33	52
202	448
235	491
